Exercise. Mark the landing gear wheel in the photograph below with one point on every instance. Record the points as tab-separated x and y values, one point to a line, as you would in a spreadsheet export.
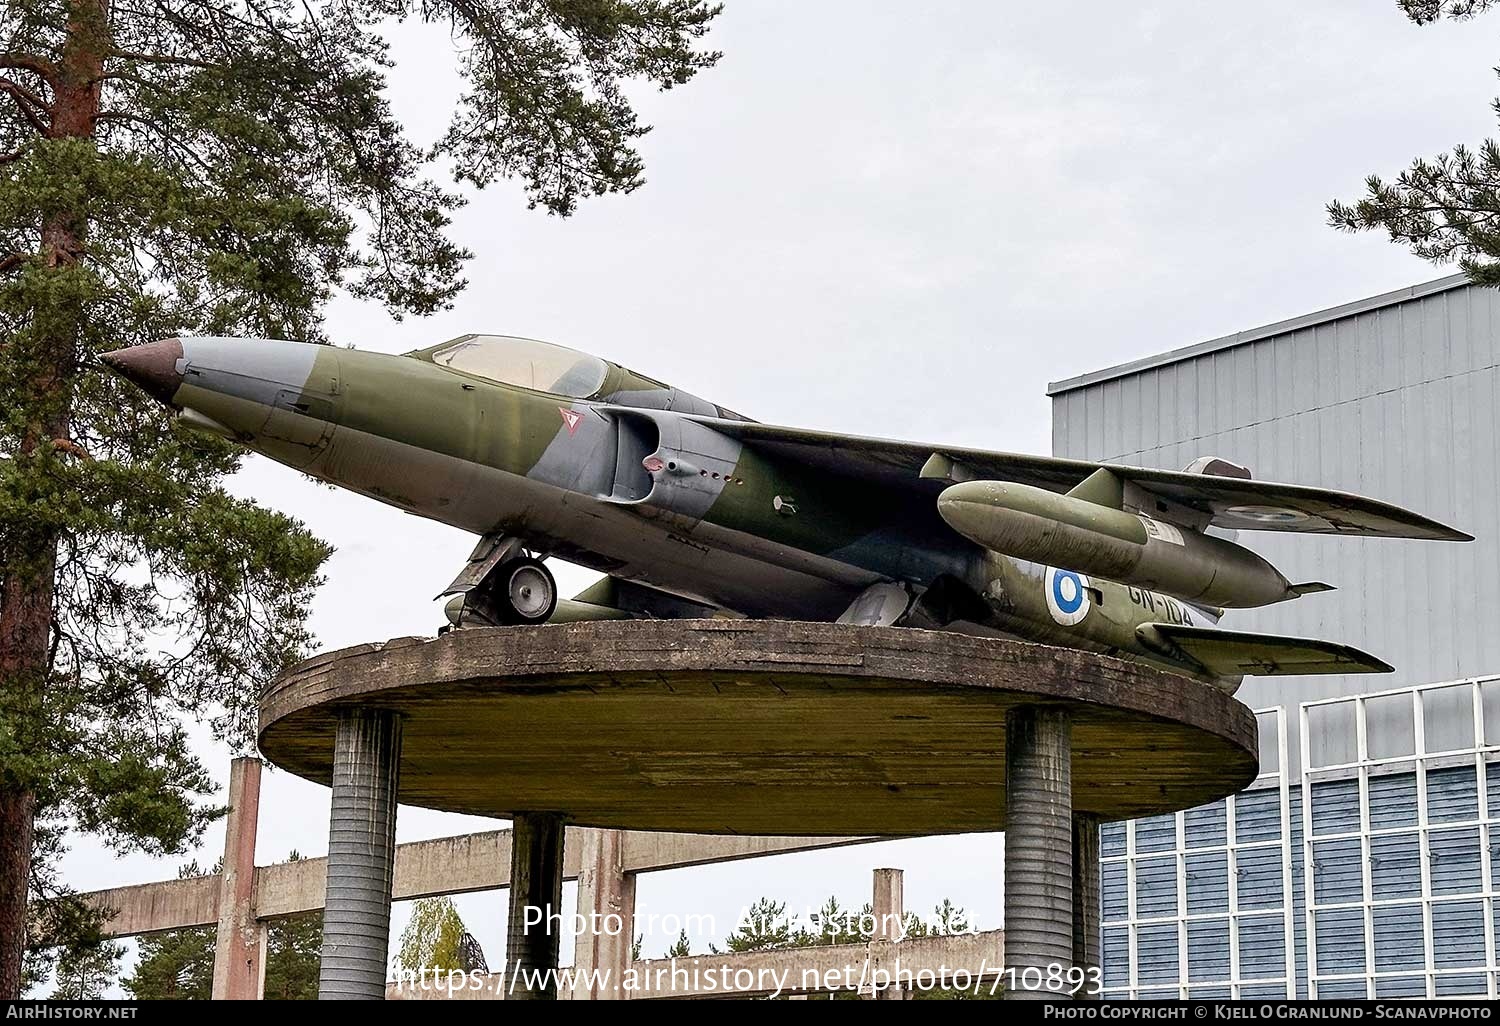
524	592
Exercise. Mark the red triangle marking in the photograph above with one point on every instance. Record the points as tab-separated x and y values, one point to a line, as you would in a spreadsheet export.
572	418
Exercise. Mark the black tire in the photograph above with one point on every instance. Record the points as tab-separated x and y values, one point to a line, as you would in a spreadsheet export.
524	591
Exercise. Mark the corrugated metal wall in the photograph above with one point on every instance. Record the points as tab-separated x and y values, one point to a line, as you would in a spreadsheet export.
1393	398
1396	397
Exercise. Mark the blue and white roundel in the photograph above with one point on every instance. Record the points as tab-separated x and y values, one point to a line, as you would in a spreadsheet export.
1067	596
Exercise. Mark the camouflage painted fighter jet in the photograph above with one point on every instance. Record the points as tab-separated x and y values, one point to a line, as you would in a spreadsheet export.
691	510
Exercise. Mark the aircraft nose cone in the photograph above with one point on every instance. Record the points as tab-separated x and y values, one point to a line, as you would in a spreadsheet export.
152	366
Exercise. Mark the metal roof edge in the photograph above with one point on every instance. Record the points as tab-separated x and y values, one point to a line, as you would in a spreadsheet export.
1240	338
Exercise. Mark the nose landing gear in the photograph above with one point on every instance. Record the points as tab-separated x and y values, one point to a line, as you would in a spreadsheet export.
530	592
502	586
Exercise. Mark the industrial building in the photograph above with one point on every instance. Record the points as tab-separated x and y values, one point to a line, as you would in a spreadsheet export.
1359	864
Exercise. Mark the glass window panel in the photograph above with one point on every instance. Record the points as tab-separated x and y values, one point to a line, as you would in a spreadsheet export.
1461	986
1114	885
1338	871
1390	727
1457	934
1156	887
1116	956
1158	833
1208	883
1204	827
1395	866
1448	718
1156	953
1401	987
1335	807
1262	948
1455	861
1489	692
1208	949
1330	735
1398	938
1259	877
1341	989
1341	941
1393	800
1257	815
1452	795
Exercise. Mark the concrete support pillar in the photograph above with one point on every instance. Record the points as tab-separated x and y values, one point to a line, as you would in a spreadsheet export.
240	950
1038	850
889	906
1086	939
361	854
536	875
606	904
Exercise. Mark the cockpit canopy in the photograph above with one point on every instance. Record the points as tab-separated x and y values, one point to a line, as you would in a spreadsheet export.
540	366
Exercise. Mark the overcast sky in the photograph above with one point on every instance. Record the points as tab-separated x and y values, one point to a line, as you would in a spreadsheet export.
903	220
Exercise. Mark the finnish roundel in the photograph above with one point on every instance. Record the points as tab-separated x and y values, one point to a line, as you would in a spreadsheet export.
1067	596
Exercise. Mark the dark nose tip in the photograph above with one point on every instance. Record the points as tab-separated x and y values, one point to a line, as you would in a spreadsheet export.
152	366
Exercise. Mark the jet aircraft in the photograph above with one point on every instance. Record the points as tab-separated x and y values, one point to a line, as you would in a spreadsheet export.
692	510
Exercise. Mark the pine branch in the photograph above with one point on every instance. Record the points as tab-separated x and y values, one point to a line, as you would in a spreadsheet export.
18	61
24	105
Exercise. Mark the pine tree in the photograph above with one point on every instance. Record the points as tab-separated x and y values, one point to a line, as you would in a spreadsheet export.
763	927
1442	208
173	966
294	952
84	973
221	167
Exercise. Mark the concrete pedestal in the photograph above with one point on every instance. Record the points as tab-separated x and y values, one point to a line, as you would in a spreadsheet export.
361	854
536	913
1038	851
836	730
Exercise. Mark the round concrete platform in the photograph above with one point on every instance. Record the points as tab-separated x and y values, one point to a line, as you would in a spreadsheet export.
757	727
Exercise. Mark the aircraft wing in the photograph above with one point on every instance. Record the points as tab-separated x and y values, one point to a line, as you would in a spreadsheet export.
1236	653
1227	502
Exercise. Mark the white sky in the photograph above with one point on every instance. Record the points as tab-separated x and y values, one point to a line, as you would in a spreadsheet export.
902	220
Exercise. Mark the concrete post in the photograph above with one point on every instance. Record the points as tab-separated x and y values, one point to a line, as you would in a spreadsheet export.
240	950
606	904
1038	851
536	875
1086	939
361	854
889	906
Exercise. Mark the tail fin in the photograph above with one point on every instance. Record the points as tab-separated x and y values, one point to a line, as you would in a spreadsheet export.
1310	588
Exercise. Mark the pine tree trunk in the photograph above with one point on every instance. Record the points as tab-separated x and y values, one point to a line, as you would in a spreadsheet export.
26	601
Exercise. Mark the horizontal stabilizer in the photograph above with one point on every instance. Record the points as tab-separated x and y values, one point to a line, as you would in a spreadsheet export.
1258	655
1310	588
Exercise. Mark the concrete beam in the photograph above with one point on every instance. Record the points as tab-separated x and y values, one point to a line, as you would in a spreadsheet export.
447	865
240	945
606	906
888	903
156	907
